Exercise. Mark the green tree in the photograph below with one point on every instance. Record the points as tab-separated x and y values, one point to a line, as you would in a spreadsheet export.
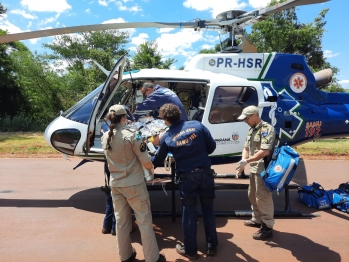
215	50
8	90
40	85
148	56
3	10
283	33
12	101
77	50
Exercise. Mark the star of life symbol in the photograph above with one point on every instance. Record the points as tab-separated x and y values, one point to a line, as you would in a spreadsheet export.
278	168
298	82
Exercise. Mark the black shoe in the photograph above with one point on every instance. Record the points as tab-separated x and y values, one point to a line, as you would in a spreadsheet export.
132	257
180	250
211	251
162	258
251	223
113	232
263	233
106	231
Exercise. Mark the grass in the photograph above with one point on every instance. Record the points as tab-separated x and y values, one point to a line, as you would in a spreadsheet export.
329	147
19	144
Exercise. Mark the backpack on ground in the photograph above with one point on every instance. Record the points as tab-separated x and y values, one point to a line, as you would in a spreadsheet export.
281	168
316	196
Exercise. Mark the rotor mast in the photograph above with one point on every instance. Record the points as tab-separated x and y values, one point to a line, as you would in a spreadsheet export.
229	45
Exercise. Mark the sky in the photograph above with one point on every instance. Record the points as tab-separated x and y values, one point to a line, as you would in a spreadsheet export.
180	44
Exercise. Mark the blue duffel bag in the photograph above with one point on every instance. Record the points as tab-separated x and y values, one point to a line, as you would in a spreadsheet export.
316	196
341	197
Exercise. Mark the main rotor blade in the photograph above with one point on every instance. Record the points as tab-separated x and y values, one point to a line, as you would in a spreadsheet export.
286	5
85	28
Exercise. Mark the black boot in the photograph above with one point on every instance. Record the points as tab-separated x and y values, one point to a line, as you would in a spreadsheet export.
263	233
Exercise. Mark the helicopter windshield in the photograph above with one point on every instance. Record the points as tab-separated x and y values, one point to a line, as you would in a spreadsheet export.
81	112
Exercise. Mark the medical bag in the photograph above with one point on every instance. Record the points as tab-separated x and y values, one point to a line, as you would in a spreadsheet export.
281	168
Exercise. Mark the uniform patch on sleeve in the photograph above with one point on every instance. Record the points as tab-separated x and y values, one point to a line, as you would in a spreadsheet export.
264	132
143	147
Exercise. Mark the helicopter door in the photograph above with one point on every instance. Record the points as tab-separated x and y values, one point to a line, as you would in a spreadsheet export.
224	106
113	81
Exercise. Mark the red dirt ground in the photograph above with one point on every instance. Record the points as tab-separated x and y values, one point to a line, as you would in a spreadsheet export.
50	212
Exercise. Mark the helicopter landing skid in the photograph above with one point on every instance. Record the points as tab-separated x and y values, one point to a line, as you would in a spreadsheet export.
287	212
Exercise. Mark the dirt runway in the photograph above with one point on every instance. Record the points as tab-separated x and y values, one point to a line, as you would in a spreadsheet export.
50	212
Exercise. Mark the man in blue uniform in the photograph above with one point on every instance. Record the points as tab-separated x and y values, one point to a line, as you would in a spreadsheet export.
190	143
155	97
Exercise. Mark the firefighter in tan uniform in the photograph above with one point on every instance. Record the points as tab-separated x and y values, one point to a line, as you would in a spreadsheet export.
259	142
125	159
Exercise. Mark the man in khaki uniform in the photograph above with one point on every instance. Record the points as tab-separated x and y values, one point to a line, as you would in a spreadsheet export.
259	142
125	157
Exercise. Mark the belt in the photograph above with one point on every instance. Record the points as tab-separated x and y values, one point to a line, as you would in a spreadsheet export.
197	171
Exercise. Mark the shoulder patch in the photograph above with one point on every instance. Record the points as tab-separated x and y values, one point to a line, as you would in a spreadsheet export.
264	132
143	146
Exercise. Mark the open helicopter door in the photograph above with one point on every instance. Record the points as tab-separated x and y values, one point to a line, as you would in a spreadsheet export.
110	86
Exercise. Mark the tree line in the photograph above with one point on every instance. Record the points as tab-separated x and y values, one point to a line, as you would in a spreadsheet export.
34	87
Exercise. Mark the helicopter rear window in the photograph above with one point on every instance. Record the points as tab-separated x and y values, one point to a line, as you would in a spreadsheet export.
81	112
229	101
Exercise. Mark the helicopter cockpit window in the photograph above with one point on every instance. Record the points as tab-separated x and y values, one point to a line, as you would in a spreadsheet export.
81	112
229	101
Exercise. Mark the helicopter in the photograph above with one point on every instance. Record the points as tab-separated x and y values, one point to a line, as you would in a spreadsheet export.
214	89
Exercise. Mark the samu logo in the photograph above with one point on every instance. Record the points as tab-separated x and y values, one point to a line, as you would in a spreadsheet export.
278	168
323	204
235	136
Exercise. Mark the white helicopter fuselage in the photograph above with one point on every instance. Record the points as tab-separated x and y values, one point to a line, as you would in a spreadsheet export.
214	88
201	77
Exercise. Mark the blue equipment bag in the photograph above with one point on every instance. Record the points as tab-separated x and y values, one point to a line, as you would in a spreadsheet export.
281	168
316	196
344	187
341	197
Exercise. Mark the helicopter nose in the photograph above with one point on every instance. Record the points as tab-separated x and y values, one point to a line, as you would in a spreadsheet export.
48	133
63	135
